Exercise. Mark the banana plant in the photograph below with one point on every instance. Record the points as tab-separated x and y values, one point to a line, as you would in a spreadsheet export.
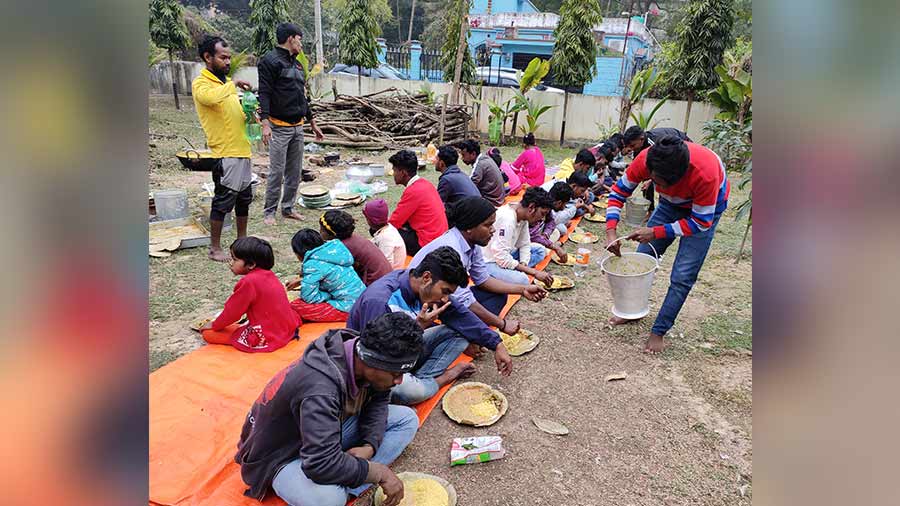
429	93
499	113
533	111
638	89
309	73
734	96
645	121
534	73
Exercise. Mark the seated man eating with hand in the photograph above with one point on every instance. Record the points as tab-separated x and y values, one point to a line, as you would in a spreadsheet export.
423	294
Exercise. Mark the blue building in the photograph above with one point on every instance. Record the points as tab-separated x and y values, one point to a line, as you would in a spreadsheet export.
510	33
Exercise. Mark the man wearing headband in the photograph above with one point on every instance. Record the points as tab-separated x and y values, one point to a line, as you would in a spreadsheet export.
472	219
322	429
423	295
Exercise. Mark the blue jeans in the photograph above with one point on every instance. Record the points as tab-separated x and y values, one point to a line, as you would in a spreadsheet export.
493	302
292	485
691	254
513	276
442	345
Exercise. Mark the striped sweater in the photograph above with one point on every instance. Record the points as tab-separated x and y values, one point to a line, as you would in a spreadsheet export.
704	190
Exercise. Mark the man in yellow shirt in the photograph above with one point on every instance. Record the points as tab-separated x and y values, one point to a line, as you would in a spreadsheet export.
222	118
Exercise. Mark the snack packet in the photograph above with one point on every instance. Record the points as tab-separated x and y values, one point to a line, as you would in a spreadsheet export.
471	450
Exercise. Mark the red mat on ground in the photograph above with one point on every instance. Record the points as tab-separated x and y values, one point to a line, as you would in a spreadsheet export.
197	408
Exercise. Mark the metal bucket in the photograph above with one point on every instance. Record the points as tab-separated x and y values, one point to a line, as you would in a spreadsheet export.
631	292
636	210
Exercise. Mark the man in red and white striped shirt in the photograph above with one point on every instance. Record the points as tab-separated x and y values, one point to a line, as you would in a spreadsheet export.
693	190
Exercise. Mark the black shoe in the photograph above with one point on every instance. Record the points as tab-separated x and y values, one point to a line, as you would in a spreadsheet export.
308	177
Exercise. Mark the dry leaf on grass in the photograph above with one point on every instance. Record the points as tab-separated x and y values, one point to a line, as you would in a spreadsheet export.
614	377
550	427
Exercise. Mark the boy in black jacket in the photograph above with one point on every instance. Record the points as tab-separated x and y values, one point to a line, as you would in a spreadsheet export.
322	428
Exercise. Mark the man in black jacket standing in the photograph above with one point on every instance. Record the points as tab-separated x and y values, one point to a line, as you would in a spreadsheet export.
283	110
322	428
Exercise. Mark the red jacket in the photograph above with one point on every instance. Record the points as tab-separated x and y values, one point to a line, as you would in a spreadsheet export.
703	189
272	323
422	207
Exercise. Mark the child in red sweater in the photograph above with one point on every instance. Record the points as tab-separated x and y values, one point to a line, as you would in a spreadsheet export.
261	296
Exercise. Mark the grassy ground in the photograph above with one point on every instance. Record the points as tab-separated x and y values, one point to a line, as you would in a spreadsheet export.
677	431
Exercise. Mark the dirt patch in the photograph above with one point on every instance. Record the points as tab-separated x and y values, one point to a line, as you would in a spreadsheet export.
725	383
643	440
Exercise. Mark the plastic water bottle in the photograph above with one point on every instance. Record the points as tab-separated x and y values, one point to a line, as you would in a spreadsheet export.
582	262
249	103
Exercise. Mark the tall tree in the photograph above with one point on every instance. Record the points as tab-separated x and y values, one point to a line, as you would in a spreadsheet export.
264	17
357	38
700	43
168	31
457	15
574	58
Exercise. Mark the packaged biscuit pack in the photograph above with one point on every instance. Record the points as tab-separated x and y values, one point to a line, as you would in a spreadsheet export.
471	450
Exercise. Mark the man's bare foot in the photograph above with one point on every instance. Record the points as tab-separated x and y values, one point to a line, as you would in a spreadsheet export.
654	345
293	215
459	371
474	350
218	255
616	320
269	220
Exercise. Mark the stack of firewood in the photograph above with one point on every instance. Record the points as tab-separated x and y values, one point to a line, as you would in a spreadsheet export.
389	119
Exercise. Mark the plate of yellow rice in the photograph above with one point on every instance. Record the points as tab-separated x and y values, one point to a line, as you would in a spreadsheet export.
420	489
474	403
519	343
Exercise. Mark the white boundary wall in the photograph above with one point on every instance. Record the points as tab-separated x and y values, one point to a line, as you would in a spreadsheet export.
585	113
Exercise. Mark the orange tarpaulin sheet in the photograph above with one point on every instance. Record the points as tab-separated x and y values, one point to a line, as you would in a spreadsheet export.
197	408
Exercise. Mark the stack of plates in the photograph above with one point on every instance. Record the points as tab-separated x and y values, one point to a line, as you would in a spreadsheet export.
347	199
315	196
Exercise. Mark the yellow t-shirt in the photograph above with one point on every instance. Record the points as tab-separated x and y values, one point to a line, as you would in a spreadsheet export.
566	168
220	115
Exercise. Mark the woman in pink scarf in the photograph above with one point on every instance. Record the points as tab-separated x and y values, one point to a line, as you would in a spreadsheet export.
530	164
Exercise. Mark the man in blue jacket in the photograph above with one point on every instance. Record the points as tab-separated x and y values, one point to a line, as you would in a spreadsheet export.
452	185
423	294
322	428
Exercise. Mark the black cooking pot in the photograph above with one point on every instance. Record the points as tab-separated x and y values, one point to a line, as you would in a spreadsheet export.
192	159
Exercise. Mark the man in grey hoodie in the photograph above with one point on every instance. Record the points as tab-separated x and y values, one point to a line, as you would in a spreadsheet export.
322	428
488	178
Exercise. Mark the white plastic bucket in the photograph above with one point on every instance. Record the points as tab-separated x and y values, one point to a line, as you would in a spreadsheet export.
631	292
171	204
